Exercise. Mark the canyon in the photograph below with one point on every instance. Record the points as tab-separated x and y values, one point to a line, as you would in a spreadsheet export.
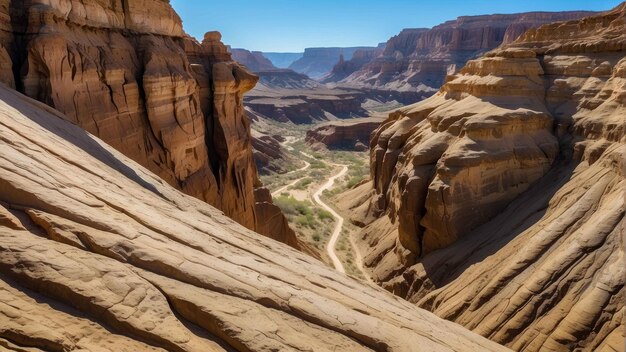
498	203
457	188
97	253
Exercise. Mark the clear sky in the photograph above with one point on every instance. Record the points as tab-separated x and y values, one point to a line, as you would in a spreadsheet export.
292	25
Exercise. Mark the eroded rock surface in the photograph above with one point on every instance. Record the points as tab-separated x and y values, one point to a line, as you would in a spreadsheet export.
97	253
127	72
499	202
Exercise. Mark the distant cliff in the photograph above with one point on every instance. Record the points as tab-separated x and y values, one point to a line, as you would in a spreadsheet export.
131	76
421	58
253	60
318	62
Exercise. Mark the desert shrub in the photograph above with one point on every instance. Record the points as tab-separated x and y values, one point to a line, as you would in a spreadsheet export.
303	184
324	215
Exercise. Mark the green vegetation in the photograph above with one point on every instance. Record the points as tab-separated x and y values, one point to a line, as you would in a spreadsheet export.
303	184
303	213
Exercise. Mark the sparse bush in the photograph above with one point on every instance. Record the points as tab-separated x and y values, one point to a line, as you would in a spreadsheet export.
303	184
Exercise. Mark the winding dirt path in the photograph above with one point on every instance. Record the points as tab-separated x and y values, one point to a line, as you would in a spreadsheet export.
332	243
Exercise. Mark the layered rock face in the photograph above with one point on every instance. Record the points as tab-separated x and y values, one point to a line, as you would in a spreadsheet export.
126	72
421	58
345	68
343	135
253	60
499	202
99	254
317	62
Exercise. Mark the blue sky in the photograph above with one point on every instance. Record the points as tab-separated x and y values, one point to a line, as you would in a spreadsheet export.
292	25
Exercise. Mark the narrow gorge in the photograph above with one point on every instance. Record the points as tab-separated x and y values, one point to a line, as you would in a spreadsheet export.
284	176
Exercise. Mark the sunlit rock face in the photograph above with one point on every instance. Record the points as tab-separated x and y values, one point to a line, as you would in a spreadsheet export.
126	72
498	203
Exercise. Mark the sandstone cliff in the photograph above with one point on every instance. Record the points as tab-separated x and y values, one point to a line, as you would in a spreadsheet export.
499	202
126	72
421	58
253	60
99	254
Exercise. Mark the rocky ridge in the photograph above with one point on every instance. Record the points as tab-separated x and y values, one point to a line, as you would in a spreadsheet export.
421	58
498	203
98	253
127	72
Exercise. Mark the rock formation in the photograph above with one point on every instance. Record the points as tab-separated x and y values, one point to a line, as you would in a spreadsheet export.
318	62
97	253
419	59
343	135
360	58
253	60
498	203
126	72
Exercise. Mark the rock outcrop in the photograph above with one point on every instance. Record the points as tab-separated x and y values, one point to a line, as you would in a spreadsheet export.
97	253
253	60
127	72
419	59
351	135
498	203
318	62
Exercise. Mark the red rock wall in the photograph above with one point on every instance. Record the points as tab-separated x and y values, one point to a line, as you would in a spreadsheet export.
126	72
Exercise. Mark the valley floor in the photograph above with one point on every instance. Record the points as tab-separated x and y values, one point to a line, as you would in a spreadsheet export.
304	194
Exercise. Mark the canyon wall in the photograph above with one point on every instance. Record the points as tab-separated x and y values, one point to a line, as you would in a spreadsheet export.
345	68
498	203
127	72
420	58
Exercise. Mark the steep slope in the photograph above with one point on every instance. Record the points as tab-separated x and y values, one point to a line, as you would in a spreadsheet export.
421	58
126	72
499	202
97	253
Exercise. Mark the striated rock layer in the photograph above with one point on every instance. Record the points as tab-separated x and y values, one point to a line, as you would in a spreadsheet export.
99	254
126	72
421	58
499	202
